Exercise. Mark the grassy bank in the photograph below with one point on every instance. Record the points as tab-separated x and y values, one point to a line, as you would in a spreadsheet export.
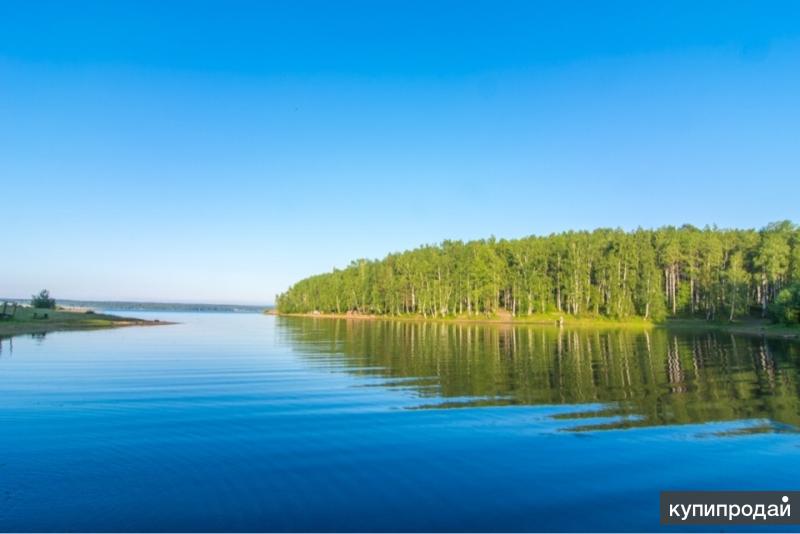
754	327
39	321
543	319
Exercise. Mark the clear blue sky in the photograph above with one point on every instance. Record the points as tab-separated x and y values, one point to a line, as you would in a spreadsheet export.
198	151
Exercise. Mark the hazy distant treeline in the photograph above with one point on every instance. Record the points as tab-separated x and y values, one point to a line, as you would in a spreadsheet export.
708	272
114	305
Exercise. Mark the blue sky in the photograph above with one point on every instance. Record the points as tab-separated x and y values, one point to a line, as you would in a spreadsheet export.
219	151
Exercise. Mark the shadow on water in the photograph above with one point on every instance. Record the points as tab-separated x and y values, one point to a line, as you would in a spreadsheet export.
626	378
7	342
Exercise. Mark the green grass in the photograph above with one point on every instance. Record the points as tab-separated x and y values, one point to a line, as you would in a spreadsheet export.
541	319
60	320
759	327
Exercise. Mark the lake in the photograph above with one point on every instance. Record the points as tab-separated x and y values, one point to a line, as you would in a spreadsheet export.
245	422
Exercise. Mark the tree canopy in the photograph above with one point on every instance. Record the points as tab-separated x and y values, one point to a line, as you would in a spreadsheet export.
670	271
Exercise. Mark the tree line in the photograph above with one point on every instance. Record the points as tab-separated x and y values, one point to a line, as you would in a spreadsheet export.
670	271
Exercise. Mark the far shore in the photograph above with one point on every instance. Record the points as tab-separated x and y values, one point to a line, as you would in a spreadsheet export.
752	327
28	320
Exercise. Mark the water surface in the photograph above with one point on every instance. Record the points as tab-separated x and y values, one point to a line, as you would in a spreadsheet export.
256	423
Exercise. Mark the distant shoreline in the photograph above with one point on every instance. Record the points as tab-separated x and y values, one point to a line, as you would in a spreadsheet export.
142	306
33	321
760	328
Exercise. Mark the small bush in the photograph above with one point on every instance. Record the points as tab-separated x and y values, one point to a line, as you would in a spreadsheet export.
43	300
786	308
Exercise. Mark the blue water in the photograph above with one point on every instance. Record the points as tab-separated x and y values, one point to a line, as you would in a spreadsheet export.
255	423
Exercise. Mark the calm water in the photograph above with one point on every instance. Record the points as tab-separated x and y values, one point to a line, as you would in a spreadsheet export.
249	422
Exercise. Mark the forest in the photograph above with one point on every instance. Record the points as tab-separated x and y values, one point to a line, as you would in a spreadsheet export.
711	273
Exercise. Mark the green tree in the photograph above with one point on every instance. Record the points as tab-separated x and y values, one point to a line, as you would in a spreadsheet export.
43	300
786	308
653	274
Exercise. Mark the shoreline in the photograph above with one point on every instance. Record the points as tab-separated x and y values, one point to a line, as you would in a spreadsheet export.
502	320
754	327
29	321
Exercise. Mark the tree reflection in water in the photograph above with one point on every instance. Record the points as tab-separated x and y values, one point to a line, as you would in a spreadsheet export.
640	377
